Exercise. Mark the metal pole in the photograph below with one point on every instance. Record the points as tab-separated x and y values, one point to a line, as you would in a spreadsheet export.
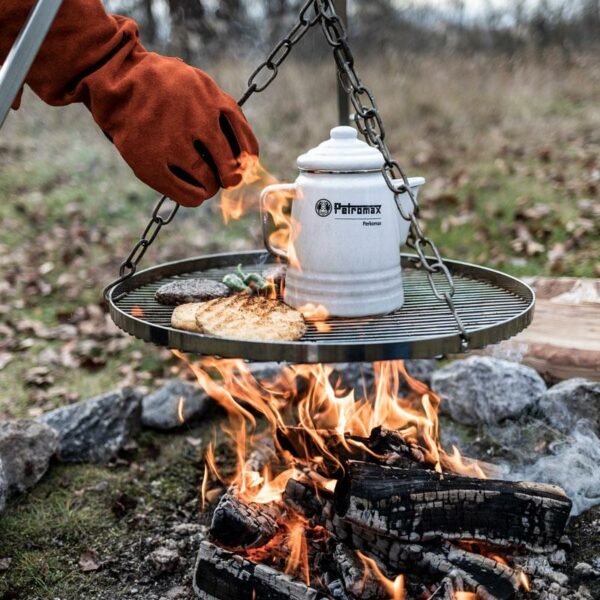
341	7
24	50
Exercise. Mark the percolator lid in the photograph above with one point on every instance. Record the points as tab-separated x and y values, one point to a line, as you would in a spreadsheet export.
342	152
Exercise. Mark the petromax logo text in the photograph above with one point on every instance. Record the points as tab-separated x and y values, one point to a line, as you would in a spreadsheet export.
356	209
324	208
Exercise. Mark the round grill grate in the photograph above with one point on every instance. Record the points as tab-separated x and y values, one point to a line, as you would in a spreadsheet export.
492	305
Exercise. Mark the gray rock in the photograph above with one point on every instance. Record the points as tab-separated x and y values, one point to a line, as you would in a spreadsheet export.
265	371
563	405
94	430
26	448
173	404
482	389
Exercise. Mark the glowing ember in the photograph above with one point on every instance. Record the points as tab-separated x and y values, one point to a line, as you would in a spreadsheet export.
465	596
137	311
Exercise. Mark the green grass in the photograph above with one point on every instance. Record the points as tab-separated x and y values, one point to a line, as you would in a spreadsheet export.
46	531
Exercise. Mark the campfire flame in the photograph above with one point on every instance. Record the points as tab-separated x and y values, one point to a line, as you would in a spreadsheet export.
524	581
298	559
180	410
245	197
310	409
395	588
303	399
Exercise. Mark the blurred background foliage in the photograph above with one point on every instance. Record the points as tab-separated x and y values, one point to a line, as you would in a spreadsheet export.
195	28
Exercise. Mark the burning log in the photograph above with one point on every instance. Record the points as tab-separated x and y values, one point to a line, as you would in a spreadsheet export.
383	446
415	505
238	524
241	525
222	575
490	579
356	580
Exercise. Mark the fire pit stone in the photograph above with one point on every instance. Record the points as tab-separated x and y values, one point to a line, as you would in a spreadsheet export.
163	560
566	403
486	390
175	403
26	448
94	430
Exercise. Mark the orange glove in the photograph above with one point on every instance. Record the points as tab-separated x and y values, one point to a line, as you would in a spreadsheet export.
179	132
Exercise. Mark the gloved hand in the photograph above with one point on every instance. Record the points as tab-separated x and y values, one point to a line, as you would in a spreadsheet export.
179	132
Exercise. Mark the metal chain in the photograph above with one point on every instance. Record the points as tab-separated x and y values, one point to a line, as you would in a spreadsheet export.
259	81
370	125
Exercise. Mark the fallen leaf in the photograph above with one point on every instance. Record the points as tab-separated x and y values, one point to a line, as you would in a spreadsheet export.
39	376
5	358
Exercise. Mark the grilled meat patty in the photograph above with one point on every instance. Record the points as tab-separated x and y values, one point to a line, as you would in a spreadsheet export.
245	317
191	290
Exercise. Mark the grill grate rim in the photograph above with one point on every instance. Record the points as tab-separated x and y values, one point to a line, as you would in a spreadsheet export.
493	305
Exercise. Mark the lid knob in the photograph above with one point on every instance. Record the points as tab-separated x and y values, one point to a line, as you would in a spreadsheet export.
344	132
343	152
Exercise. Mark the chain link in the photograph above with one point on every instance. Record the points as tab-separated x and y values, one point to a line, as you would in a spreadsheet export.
369	123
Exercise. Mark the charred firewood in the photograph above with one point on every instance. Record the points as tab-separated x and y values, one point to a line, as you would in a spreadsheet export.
416	505
263	454
302	445
357	581
382	446
307	500
490	579
240	525
222	575
335	587
394	449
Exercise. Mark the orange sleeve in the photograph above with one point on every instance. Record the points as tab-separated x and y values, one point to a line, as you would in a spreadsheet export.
81	40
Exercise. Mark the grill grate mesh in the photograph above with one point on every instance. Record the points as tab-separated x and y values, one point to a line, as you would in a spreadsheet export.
492	306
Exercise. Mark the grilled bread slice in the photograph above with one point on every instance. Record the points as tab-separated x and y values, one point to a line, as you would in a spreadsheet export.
255	318
184	317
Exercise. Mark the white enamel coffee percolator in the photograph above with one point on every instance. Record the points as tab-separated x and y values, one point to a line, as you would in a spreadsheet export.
346	230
